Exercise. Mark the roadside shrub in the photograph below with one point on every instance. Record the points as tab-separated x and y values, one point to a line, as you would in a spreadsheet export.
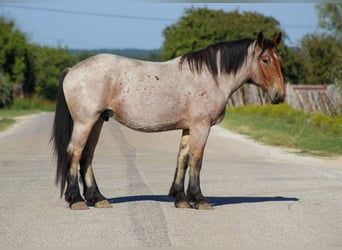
332	124
6	96
275	111
337	125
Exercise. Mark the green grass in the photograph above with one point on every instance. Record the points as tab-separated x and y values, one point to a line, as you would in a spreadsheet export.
6	123
281	125
34	104
22	107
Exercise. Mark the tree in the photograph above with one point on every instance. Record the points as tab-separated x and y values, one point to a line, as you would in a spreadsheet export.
35	68
5	92
319	54
330	18
12	53
198	28
322	53
49	63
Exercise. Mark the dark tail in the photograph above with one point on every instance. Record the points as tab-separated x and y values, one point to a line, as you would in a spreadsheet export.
61	135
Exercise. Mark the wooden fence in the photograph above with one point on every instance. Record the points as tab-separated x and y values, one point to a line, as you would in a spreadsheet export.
308	98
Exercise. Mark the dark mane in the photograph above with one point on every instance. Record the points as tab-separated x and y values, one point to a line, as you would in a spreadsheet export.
231	57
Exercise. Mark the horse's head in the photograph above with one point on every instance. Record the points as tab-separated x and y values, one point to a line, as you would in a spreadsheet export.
265	70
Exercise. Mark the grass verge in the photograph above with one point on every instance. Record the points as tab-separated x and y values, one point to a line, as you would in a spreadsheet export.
281	125
22	107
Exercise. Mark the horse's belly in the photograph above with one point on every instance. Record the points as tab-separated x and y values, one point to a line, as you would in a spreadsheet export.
148	125
149	117
150	102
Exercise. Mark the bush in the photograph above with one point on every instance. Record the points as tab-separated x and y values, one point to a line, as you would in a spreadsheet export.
6	96
333	124
274	111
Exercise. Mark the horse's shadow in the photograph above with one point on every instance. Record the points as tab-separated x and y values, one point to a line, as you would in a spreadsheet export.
213	200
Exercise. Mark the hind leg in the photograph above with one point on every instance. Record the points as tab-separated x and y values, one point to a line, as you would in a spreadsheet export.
78	140
177	188
91	190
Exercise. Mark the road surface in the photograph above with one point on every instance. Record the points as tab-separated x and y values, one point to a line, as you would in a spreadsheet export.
262	196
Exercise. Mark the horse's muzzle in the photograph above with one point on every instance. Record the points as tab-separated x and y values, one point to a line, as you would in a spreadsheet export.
276	96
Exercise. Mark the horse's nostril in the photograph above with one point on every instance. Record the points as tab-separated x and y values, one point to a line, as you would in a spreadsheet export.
277	98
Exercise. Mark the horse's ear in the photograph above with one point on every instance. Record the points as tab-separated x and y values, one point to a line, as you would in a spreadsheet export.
260	39
277	39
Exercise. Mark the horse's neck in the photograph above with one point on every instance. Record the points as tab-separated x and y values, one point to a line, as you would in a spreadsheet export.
231	82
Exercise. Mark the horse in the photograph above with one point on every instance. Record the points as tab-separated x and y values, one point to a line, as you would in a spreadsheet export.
187	93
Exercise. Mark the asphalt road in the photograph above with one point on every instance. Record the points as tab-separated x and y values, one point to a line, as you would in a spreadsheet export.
262	196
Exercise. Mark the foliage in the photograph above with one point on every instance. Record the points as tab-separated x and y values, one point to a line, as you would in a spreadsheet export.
284	126
35	68
13	50
5	92
319	54
34	103
292	65
198	28
334	71
330	18
49	63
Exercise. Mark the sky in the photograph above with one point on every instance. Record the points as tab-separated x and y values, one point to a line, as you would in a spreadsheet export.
85	24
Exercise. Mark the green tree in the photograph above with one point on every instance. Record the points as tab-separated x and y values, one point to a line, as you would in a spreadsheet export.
322	52
49	63
330	18
198	28
5	92
292	64
36	68
13	46
319	54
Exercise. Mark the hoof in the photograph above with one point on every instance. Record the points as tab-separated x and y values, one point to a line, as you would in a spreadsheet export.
182	204
103	204
203	206
81	205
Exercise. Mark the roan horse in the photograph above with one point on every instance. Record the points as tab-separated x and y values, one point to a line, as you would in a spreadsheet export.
189	92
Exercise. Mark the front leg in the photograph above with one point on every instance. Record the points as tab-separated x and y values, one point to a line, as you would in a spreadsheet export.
91	190
198	139
194	193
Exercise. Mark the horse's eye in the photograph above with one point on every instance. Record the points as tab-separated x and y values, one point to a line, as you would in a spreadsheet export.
265	59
